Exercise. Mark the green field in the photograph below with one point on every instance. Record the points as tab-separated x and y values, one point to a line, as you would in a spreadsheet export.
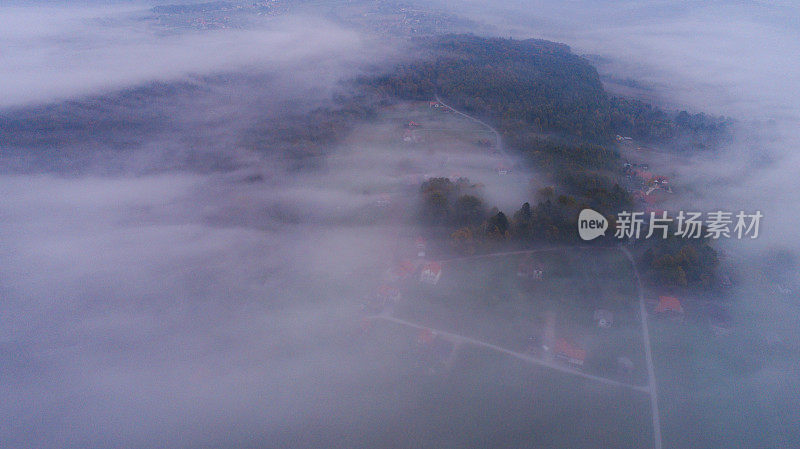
485	299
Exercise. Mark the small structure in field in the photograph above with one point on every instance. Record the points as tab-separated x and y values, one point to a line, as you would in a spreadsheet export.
604	318
530	269
430	274
624	365
669	305
570	353
410	136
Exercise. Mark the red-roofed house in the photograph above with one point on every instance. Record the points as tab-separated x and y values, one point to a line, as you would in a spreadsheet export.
431	272
572	354
669	304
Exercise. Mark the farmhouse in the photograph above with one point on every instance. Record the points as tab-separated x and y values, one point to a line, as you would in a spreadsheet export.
669	305
569	353
430	274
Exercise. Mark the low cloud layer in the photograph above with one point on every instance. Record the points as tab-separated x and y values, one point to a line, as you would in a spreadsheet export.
56	53
180	289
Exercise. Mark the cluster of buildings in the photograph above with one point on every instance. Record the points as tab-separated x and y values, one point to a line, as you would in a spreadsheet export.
215	14
410	134
389	293
395	18
648	189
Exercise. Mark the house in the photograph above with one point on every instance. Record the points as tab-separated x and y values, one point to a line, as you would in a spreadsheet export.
434	104
660	180
669	304
604	318
502	170
569	353
410	136
531	270
412	124
624	365
430	274
420	246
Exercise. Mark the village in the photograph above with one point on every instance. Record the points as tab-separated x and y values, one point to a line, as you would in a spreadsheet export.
543	307
570	317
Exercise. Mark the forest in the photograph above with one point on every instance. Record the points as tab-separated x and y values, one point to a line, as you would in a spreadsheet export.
550	106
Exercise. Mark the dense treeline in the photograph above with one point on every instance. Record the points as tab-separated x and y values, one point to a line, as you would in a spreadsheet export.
549	105
521	84
459	209
304	137
681	262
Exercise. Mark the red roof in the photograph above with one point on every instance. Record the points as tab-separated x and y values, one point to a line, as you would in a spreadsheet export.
668	304
433	267
563	347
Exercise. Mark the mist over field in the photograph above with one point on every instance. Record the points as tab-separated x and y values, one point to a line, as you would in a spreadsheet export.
174	276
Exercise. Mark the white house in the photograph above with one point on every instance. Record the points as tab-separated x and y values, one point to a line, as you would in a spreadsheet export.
430	274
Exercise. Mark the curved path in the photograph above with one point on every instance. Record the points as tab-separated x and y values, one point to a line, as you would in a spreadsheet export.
456	338
498	139
650	388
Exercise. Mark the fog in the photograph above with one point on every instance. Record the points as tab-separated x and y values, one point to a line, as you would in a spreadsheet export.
169	286
734	59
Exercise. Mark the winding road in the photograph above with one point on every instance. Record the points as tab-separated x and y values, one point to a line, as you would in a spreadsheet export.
497	137
650	388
